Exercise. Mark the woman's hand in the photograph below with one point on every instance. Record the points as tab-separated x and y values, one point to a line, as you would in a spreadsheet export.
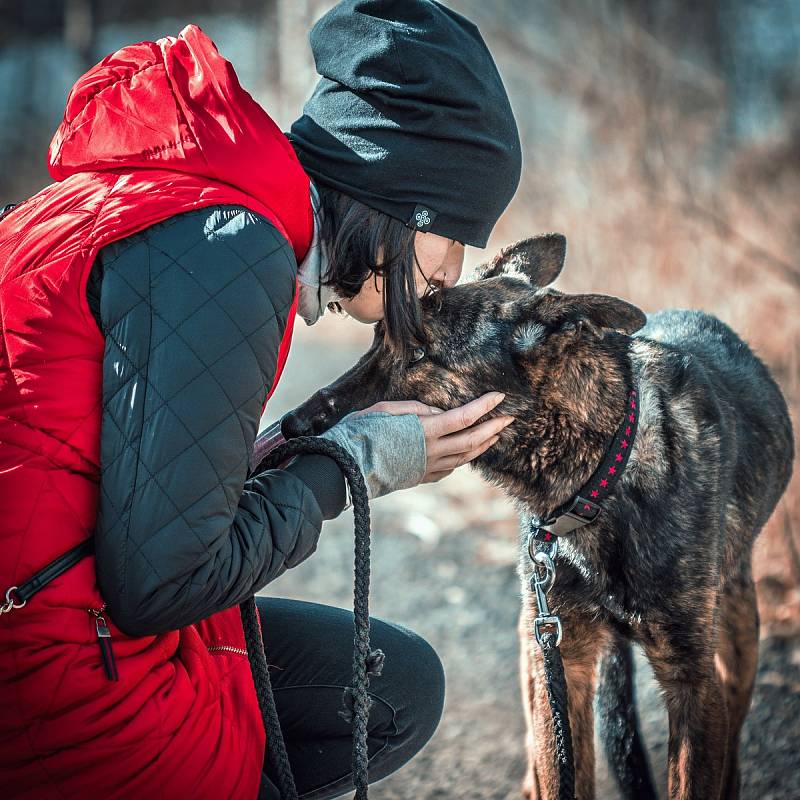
451	437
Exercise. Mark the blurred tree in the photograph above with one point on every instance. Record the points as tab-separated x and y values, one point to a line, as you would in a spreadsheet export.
80	28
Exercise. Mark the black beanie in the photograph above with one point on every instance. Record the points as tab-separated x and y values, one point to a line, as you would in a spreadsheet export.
410	117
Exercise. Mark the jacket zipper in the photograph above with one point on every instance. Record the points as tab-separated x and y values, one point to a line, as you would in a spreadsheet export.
107	653
228	649
104	640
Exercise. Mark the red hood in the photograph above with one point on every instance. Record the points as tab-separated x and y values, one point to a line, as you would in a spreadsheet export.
177	104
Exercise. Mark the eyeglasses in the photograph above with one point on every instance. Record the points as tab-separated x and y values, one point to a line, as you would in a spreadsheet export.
432	288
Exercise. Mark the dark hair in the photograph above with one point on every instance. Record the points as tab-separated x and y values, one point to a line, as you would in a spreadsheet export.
363	242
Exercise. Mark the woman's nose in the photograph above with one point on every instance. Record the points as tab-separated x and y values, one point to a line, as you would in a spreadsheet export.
454	273
452	279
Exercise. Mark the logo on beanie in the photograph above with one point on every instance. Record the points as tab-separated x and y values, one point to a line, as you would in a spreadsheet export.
422	218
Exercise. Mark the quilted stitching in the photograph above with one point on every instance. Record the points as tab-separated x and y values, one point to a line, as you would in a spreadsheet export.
193	310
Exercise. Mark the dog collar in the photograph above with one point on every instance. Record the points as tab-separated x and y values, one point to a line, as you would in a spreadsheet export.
586	504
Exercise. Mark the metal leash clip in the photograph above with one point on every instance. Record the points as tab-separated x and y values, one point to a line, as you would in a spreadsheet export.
543	555
11	603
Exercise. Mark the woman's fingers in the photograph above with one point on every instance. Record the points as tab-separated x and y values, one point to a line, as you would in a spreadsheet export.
450	462
462	417
402	407
452	438
468	440
445	421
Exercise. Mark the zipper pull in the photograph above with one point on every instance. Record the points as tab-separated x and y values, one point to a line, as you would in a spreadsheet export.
104	639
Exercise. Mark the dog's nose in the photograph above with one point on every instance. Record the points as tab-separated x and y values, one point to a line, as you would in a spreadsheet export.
294	425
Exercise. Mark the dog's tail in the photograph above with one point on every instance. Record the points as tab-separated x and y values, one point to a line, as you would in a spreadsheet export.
619	724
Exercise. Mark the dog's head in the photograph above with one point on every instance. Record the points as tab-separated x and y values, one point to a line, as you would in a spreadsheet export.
552	354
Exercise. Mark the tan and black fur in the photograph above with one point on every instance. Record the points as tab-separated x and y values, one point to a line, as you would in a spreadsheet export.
667	564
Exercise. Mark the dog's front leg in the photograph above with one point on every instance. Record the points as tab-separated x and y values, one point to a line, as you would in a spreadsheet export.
580	649
698	718
527	675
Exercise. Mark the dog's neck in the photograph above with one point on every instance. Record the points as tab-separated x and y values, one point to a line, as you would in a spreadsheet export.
562	433
585	505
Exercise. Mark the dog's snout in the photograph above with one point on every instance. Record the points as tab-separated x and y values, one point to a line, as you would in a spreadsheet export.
328	399
312	417
293	425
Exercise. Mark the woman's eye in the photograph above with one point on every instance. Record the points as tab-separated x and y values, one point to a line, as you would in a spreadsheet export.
417	355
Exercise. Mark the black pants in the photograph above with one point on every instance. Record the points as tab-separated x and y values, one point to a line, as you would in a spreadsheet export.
310	650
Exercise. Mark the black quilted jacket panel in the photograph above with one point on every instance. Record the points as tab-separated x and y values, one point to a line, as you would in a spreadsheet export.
193	310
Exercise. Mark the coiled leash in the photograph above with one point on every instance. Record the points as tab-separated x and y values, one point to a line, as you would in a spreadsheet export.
366	662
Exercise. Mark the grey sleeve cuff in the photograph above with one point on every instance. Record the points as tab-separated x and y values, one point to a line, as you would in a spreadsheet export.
389	448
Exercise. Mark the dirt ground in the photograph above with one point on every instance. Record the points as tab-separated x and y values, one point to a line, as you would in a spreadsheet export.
444	560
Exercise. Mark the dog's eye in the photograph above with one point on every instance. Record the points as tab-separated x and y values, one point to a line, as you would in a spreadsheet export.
417	354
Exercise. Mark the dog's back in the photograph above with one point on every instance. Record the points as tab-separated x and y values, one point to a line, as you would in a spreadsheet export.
759	432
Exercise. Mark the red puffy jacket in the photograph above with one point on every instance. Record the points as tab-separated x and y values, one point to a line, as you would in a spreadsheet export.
154	130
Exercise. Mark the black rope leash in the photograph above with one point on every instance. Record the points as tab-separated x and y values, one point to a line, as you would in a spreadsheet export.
543	549
366	662
276	747
556	683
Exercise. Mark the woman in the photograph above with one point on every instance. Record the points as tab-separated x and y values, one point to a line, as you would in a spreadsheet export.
147	302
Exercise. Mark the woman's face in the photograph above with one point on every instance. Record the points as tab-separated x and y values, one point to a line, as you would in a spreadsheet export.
440	261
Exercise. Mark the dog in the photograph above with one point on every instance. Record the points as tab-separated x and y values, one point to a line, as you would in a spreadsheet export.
666	563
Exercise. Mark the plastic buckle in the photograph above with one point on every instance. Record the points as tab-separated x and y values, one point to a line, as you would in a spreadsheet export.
580	513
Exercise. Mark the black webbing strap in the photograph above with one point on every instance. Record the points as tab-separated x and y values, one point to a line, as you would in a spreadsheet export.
17	596
584	506
54	569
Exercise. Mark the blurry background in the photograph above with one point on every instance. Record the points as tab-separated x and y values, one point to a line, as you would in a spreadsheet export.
663	138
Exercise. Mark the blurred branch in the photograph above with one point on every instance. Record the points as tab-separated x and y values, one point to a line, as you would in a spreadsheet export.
783	269
296	68
648	48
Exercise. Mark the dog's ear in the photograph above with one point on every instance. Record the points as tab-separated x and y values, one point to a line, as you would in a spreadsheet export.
539	260
603	311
